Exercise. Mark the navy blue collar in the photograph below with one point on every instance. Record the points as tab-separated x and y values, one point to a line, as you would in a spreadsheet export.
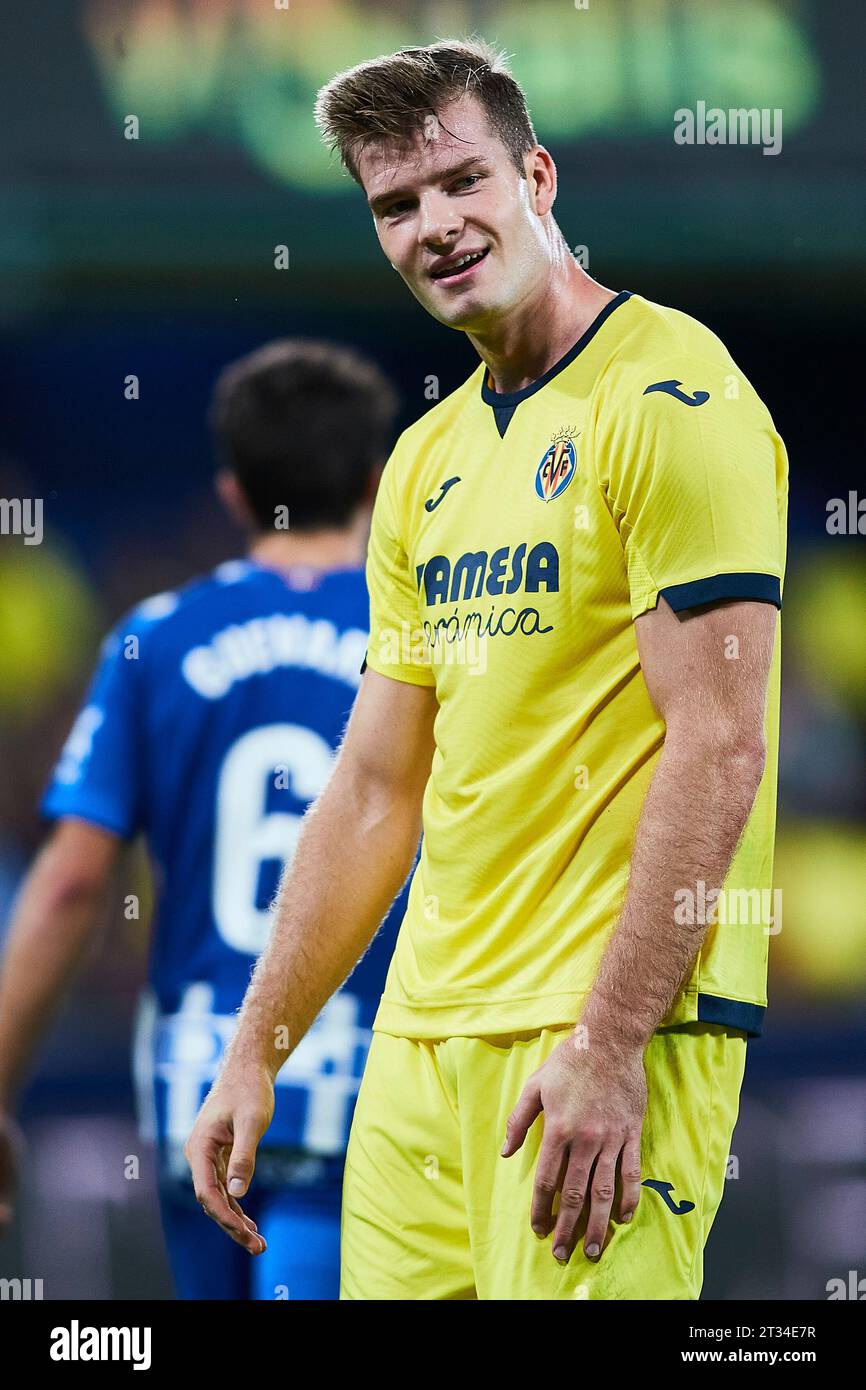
510	399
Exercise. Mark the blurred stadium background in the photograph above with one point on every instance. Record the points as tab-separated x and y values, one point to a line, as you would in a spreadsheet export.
155	257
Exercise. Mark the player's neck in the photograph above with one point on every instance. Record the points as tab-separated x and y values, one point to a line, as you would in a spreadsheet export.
330	549
541	330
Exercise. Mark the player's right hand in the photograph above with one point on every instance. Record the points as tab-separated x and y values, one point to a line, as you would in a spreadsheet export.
221	1151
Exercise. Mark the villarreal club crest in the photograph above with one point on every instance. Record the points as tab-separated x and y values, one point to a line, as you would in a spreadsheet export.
558	466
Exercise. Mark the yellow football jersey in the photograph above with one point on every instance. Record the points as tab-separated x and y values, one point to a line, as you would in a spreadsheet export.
515	539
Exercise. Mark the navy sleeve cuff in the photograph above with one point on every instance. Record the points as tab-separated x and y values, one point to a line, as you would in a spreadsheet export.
765	588
732	1013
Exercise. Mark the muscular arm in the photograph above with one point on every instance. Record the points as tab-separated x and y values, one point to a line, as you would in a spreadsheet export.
54	920
694	813
355	850
696	807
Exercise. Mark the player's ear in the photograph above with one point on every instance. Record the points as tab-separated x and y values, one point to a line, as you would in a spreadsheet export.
231	494
541	176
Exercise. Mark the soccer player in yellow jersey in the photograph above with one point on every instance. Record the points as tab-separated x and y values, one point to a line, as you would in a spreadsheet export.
572	684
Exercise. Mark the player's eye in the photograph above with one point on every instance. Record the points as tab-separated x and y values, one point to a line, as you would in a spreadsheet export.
398	208
467	181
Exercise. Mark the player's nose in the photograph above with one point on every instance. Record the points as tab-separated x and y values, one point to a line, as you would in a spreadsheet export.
439	222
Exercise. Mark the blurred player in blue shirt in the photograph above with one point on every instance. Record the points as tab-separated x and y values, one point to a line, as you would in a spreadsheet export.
210	725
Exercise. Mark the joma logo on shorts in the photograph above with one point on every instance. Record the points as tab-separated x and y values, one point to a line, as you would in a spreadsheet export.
664	1189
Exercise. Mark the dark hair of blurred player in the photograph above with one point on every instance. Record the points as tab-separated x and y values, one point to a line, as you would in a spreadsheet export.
304	425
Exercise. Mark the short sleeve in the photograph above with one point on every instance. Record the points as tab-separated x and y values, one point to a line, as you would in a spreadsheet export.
97	776
398	647
695	476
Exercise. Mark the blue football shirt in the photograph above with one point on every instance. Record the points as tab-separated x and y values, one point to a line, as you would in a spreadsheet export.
210	725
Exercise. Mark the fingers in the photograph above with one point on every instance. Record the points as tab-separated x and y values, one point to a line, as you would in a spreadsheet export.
602	1192
218	1207
242	1163
549	1169
203	1154
249	1223
525	1112
589	1185
247	1220
629	1172
573	1197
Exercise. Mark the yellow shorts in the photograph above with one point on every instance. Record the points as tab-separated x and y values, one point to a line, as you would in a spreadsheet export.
431	1210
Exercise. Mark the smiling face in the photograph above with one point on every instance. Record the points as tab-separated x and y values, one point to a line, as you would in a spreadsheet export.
455	218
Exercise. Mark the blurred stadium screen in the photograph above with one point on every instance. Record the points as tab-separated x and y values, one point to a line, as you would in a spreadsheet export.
214	88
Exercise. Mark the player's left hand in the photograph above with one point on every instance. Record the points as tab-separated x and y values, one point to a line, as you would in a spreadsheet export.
594	1101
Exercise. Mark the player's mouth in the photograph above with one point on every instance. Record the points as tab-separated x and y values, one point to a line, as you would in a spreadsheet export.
459	267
